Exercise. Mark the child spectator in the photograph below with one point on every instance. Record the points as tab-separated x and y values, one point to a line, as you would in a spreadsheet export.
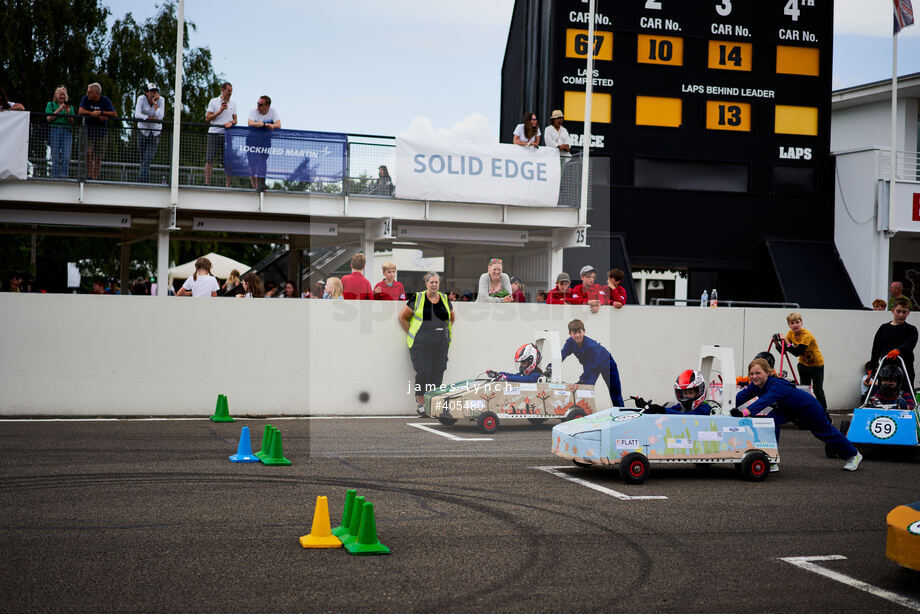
232	283
879	305
270	288
389	289
252	285
319	289
201	283
542	297
517	290
588	292
466	297
454	295
690	390
355	285
561	294
616	290
889	389
595	359
528	358
803	344
333	289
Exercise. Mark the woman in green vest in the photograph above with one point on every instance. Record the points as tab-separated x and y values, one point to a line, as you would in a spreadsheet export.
60	116
427	319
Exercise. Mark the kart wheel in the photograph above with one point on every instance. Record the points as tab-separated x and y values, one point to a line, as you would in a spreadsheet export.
755	467
845	426
581	464
634	468
577	412
488	422
536	420
447	421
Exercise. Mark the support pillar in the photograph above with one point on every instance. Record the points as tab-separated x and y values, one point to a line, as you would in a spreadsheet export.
167	225
125	272
555	266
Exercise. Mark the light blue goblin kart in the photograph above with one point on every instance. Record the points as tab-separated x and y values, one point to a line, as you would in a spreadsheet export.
633	440
885	425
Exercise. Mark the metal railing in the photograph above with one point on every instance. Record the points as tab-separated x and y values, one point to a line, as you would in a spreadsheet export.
695	302
121	152
908	165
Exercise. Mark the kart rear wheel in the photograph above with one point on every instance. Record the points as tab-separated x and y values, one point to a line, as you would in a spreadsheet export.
447	421
536	420
576	412
581	464
488	422
755	467
634	468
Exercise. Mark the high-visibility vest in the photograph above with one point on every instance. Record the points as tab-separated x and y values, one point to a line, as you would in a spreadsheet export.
416	321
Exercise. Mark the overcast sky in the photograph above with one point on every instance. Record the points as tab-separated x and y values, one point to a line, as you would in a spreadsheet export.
365	66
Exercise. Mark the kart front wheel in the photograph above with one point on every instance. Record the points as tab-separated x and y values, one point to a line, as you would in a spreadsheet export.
575	413
447	421
634	468
755	467
581	464
487	423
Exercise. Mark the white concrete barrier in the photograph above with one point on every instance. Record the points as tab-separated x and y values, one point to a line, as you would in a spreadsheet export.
80	355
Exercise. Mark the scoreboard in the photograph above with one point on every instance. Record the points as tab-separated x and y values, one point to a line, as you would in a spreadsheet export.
714	116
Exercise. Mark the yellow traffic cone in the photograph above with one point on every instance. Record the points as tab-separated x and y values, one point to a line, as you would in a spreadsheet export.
321	533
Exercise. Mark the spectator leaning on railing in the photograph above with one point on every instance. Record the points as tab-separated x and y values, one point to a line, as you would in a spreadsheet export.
150	107
527	133
8	105
201	283
517	290
262	121
60	116
588	292
388	289
221	114
494	286
561	294
96	110
355	285
616	291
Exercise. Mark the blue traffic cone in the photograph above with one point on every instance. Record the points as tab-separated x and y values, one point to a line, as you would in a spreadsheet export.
244	450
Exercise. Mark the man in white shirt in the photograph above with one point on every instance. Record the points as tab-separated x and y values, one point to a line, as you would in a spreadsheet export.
150	107
221	114
262	121
557	136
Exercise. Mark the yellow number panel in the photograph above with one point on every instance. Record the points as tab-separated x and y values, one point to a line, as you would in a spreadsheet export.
797	60
723	115
730	55
576	44
657	111
796	120
654	49
573	107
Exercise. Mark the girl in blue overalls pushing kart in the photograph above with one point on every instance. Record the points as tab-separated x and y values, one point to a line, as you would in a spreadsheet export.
789	403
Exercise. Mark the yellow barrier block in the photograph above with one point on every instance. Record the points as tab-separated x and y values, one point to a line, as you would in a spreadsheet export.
903	542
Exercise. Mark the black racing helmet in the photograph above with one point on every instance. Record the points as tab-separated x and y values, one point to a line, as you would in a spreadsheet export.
768	356
889	379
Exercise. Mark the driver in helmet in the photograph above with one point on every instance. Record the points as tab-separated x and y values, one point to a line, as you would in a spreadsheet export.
528	358
889	389
690	390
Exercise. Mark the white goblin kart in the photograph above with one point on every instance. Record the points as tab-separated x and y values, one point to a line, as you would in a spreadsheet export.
632	440
487	402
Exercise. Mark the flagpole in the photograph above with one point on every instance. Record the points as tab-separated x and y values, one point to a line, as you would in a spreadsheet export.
894	127
586	136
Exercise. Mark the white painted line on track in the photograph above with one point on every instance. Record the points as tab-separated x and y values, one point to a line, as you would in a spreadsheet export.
187	418
808	562
557	471
426	426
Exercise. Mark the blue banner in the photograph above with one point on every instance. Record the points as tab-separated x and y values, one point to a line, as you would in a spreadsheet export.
295	155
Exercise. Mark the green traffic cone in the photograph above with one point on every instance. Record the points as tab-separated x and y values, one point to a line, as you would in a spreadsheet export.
342	529
354	523
222	411
275	454
266	436
367	542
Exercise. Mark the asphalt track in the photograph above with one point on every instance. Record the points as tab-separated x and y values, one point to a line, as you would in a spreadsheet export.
133	515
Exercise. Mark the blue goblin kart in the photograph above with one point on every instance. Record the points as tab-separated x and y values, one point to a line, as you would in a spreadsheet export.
885	421
633	440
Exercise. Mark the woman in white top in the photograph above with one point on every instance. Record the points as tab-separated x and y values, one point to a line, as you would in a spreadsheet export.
494	286
201	283
527	134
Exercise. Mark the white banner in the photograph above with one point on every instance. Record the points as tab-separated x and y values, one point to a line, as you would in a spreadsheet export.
14	154
493	173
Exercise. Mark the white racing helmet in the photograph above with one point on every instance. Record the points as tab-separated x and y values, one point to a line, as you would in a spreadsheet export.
690	389
528	358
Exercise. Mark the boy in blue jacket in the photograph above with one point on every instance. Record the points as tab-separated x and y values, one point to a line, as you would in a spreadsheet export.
789	403
595	359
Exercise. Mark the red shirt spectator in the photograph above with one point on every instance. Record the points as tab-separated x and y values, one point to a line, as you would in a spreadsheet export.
615	287
355	285
517	290
561	294
383	292
589	293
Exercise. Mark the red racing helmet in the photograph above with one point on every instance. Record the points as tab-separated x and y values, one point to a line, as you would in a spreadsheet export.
690	389
527	357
